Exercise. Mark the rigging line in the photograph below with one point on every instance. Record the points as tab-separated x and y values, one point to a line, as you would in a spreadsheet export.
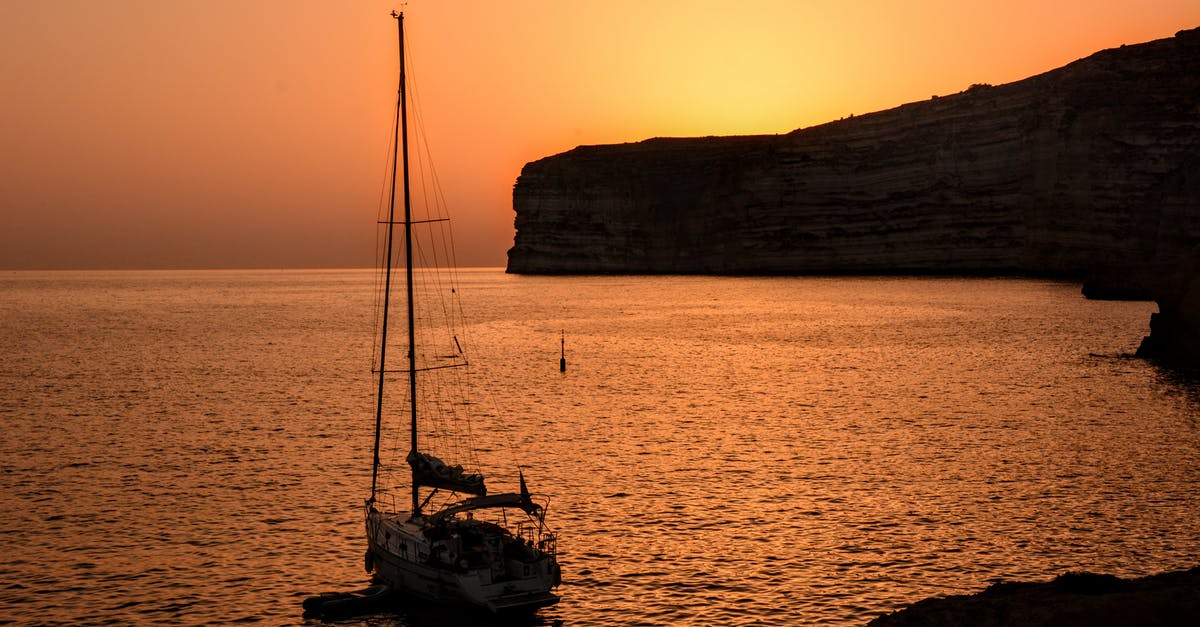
398	442
420	235
472	453
468	409
431	258
508	439
445	429
426	368
447	233
447	421
444	255
430	285
460	434
436	207
380	237
431	279
412	223
430	171
439	198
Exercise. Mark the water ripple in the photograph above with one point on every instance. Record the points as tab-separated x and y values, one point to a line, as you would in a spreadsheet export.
188	448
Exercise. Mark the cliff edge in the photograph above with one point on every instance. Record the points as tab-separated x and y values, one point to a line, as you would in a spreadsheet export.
1175	330
1090	168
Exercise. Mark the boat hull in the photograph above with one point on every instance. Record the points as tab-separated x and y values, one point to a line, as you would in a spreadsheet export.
399	554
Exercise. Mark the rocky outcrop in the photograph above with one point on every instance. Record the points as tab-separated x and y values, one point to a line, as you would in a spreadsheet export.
1071	600
1094	166
1175	330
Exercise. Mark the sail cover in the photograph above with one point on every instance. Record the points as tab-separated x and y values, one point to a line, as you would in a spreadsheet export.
523	501
432	472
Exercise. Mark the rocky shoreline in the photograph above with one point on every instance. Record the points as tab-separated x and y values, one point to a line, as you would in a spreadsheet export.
1070	600
1175	330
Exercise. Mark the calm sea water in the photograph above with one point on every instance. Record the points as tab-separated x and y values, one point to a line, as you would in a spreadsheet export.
193	447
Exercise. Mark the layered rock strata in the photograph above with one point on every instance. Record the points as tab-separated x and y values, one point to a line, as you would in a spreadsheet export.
1094	166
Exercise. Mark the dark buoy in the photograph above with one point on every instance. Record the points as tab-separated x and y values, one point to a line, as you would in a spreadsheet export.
562	361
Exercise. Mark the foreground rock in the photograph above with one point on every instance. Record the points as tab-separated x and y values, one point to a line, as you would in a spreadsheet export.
1175	330
1071	600
1090	167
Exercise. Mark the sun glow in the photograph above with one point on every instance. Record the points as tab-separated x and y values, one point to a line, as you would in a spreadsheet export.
226	133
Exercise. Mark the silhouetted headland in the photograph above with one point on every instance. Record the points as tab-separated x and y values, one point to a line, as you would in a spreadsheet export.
1070	600
1175	330
1087	170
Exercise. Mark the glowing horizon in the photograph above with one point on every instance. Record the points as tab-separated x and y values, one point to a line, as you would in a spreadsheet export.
225	134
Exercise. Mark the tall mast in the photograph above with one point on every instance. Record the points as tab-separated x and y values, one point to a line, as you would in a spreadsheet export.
408	267
387	276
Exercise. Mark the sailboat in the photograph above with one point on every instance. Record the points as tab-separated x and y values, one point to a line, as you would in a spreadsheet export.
453	541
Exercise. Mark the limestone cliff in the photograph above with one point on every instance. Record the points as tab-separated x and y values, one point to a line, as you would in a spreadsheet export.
1093	166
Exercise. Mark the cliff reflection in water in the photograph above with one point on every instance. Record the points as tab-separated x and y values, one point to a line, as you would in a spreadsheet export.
192	447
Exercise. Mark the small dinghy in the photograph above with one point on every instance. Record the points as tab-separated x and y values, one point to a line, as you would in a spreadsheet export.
346	604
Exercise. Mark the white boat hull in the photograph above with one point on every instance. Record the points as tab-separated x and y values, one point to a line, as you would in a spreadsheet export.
400	555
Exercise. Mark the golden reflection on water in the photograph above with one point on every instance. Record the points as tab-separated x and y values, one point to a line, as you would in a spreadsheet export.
191	447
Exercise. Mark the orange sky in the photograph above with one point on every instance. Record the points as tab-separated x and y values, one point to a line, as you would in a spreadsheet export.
228	133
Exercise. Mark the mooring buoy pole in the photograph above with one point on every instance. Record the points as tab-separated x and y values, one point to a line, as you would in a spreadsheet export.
562	361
